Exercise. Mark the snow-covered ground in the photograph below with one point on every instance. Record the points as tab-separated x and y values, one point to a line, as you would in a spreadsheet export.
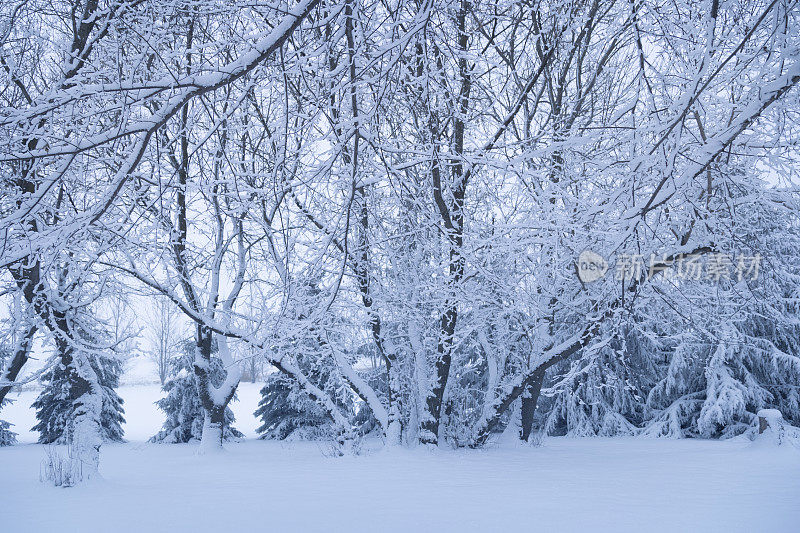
565	485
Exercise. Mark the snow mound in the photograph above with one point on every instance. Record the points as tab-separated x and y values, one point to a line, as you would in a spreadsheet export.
772	430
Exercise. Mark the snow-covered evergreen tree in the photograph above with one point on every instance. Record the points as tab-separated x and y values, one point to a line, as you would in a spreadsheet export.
736	349
7	437
733	392
182	406
55	405
285	411
714	386
601	393
674	403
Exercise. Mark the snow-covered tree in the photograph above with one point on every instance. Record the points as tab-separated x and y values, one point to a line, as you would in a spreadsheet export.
601	392
285	411
182	405
436	168
56	407
7	437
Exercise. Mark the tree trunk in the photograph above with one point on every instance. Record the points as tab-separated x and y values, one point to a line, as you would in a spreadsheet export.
214	400
452	213
213	429
86	435
529	400
18	361
394	430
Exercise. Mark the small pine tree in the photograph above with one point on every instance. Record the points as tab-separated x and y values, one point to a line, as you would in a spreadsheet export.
55	408
721	375
463	404
7	437
182	404
287	410
714	387
284	410
108	371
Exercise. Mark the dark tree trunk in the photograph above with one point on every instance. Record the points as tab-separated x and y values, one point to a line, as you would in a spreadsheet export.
18	361
430	426
529	400
483	433
217	417
452	213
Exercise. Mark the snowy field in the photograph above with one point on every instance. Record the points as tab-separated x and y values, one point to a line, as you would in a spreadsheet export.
564	485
